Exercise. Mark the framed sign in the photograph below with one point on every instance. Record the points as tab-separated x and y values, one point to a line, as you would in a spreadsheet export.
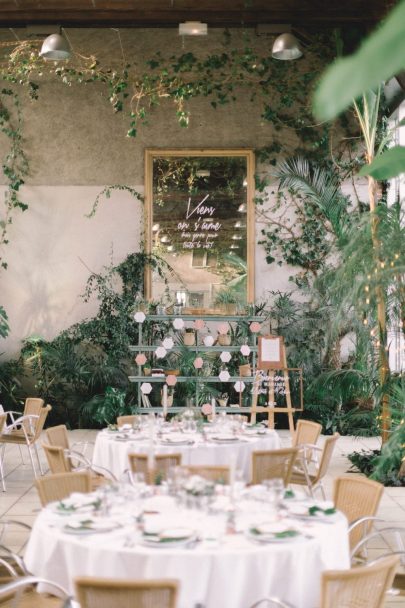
200	220
271	354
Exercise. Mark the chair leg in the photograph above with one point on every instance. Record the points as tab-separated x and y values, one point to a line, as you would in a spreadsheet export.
3	451
21	454
38	460
32	461
322	490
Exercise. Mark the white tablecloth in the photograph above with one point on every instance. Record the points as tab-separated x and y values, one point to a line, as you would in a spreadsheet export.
232	574
113	454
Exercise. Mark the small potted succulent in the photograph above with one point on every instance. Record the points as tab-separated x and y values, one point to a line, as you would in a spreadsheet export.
147	369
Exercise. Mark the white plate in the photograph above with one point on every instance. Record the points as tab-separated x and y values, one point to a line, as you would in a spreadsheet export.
302	511
224	438
93	527
176	441
273	533
172	537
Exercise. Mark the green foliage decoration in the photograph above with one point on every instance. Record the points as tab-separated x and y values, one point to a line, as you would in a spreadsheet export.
15	163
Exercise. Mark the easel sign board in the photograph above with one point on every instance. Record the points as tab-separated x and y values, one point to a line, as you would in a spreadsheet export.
271	352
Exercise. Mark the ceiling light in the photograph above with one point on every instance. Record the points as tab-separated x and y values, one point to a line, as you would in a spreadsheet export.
55	47
165	239
240	224
155	228
286	47
242	208
193	28
203	173
234	247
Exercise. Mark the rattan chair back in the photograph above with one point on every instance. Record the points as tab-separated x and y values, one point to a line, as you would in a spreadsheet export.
60	485
357	497
306	432
130	419
104	593
326	456
138	463
270	464
362	587
58	436
57	461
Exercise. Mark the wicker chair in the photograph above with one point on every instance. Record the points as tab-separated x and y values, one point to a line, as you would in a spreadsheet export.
138	463
61	460
270	464
61	485
121	420
362	587
313	479
218	474
379	544
58	436
306	435
104	593
24	595
26	430
358	498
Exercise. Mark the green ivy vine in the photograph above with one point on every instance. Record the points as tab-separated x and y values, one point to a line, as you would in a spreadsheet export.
15	163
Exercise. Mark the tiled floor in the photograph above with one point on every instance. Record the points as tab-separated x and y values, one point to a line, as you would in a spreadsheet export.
20	501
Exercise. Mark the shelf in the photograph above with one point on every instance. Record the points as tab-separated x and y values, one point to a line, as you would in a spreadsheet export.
194	348
223	318
201	379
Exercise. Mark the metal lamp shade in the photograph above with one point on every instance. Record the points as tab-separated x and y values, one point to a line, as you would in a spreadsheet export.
286	47
55	47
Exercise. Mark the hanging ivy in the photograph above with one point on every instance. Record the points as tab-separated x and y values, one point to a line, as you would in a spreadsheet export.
15	163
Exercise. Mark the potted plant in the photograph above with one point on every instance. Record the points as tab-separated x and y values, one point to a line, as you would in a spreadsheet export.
189	336
227	300
224	339
147	369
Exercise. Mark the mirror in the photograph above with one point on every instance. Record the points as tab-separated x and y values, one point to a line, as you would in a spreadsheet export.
200	220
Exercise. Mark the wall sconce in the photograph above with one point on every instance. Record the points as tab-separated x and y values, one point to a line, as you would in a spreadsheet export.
286	48
55	47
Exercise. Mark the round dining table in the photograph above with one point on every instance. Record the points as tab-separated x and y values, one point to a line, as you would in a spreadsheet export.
112	448
264	553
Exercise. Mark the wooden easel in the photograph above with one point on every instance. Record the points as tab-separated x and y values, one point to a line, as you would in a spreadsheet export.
272	358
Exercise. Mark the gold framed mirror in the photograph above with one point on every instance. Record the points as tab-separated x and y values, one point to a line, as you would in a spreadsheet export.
200	220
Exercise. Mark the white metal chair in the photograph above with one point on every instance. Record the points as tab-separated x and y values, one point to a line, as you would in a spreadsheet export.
26	430
21	592
313	478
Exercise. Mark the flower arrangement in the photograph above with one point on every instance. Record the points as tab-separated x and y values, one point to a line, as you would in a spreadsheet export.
198	486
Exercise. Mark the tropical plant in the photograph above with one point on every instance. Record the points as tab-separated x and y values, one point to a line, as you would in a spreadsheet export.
104	409
378	58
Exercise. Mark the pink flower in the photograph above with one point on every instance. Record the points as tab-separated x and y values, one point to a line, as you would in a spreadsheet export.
199	324
255	327
206	409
